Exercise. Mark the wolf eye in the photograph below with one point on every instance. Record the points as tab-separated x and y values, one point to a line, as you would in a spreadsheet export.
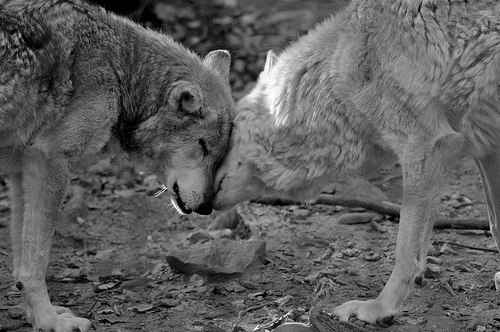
203	146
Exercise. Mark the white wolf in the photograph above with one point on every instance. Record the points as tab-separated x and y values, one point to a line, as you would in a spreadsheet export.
414	79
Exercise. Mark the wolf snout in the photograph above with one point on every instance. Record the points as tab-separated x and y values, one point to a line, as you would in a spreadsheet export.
191	201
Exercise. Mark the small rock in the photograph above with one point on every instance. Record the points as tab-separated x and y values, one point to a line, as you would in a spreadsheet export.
239	304
301	212
377	227
169	303
239	289
462	268
356	218
104	254
249	285
284	300
434	260
491	263
432	271
294	327
446	249
219	256
431	250
199	236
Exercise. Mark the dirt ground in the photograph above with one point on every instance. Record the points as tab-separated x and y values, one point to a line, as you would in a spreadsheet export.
109	264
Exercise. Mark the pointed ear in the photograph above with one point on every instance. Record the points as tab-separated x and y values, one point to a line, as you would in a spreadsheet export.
220	61
270	61
187	98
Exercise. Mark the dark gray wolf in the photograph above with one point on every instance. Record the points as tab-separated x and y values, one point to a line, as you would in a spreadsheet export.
74	80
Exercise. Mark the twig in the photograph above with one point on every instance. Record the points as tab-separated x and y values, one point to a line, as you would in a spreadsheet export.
447	286
390	209
481	224
467	246
327	199
87	314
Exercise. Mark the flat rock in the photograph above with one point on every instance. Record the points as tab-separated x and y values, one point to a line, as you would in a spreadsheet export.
219	256
357	218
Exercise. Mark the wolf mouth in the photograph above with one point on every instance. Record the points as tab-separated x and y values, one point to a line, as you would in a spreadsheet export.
178	203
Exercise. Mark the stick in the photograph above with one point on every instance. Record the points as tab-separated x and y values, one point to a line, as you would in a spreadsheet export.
386	208
481	224
327	199
466	246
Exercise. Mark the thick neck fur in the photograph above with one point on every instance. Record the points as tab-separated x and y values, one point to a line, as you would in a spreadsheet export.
152	62
305	128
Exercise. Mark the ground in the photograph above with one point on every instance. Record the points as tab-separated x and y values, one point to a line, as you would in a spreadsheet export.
109	257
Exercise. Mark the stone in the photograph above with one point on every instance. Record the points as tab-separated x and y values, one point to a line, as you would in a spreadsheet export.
357	218
219	256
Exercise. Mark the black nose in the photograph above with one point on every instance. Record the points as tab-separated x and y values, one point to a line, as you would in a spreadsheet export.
204	209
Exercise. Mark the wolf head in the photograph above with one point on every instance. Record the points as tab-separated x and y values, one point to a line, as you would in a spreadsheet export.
238	178
185	134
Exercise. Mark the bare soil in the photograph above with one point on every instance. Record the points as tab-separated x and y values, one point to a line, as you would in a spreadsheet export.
108	260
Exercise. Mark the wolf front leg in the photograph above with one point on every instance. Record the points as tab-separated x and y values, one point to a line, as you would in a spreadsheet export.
16	224
44	182
424	166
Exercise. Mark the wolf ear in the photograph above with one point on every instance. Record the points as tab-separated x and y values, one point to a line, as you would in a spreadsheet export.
220	61
271	58
187	98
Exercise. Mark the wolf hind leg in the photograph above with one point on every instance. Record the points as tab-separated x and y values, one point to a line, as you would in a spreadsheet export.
424	166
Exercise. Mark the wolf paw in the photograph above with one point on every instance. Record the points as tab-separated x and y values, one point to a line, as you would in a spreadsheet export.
64	321
371	311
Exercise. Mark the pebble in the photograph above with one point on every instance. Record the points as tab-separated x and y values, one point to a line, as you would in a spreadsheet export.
356	218
294	327
434	260
432	271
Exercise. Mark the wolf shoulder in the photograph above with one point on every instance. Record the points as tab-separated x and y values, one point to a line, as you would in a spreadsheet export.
431	49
